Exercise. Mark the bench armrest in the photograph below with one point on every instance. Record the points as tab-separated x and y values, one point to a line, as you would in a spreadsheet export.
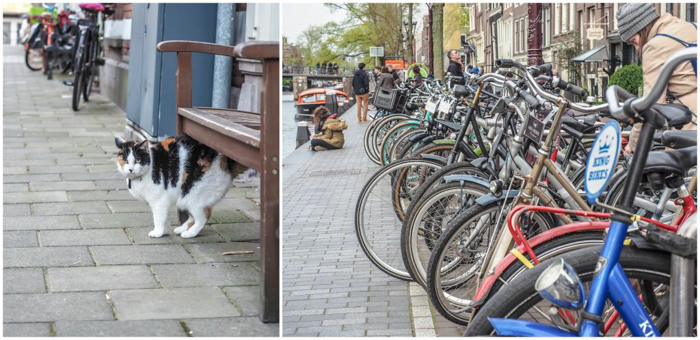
258	50
196	46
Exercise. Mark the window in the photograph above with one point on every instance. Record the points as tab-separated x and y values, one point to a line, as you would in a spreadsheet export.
615	8
557	17
564	18
591	21
572	12
516	46
690	12
471	19
522	34
547	27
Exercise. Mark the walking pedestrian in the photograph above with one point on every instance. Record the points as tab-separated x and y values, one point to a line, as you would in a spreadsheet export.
360	85
386	79
394	74
656	38
335	68
318	68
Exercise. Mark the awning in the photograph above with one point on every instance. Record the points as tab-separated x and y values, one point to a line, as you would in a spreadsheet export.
599	53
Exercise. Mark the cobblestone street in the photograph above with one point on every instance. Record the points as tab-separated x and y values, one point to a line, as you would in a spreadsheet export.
330	287
77	257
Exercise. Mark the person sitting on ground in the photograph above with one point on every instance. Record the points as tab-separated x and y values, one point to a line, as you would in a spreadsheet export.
329	130
386	79
417	76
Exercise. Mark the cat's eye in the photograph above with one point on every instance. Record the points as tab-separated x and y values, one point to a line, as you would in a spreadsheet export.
138	160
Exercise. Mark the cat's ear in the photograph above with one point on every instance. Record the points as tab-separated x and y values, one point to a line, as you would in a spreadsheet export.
143	145
119	141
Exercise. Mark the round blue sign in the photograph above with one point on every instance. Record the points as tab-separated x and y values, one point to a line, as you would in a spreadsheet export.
602	160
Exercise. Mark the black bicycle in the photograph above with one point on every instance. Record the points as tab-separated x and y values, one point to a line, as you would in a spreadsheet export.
87	55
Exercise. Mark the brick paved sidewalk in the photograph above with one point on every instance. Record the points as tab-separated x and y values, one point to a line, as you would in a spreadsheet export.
77	257
330	287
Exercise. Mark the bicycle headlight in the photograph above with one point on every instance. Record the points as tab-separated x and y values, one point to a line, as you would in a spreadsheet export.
560	285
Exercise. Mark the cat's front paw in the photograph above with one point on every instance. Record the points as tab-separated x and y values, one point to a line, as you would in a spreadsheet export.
155	233
188	234
180	230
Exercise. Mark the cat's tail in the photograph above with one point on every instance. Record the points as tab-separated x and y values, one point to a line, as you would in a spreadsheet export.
183	216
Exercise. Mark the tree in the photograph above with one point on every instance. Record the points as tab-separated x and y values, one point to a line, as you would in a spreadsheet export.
570	50
628	77
438	70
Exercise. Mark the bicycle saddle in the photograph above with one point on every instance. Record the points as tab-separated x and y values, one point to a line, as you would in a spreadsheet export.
414	106
460	91
93	7
672	162
676	115
677	139
585	125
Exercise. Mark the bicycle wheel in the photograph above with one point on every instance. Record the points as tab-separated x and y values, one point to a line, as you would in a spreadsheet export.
429	216
391	136
520	300
92	69
398	145
381	130
33	59
376	223
457	261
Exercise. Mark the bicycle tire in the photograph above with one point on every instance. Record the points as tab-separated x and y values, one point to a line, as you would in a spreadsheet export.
401	141
380	131
27	58
417	231
447	303
363	204
392	134
520	294
94	46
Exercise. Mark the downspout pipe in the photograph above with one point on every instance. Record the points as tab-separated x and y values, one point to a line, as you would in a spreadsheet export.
221	94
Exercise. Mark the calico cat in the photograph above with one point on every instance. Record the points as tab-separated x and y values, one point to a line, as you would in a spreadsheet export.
178	171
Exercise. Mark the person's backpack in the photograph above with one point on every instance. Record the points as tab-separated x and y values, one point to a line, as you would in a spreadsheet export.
694	62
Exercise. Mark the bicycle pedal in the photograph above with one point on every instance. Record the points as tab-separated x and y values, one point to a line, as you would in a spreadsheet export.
100	62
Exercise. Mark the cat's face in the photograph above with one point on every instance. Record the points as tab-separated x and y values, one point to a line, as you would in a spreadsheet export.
133	159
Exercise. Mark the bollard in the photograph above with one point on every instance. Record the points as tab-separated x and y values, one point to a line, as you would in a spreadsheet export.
303	133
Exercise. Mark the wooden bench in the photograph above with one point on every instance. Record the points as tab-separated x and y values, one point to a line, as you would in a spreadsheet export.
248	138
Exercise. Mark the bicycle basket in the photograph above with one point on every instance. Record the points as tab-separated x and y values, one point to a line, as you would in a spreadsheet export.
386	99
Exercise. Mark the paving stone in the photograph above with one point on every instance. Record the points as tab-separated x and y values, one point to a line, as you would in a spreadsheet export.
40	222
172	303
106	195
94	176
13	210
56	307
56	169
96	237
100	278
64	186
129	206
140	236
111	184
34	329
15	187
72	208
247	298
35	197
14	170
47	257
209	274
228	216
119	220
31	178
151	254
236	232
23	280
232	327
19	239
211	252
132	328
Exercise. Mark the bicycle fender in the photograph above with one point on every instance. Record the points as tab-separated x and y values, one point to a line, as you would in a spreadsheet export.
490	198
467	178
440	159
510	327
444	142
428	139
418	137
478	163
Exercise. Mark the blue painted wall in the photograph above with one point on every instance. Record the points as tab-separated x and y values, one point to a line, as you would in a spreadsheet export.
151	99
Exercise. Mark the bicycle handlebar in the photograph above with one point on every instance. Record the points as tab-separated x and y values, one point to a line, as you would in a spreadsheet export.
560	83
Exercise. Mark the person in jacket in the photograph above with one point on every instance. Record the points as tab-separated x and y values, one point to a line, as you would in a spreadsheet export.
417	76
656	38
394	74
455	67
360	85
386	79
318	68
329	130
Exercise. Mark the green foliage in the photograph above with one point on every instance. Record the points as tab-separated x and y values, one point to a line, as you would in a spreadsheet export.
628	77
570	50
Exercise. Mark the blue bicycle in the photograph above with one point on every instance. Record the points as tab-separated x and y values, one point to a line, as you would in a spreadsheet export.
641	274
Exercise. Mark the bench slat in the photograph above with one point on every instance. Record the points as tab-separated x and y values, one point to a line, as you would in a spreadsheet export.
226	125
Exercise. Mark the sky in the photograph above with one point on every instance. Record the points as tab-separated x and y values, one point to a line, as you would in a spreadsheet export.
296	18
